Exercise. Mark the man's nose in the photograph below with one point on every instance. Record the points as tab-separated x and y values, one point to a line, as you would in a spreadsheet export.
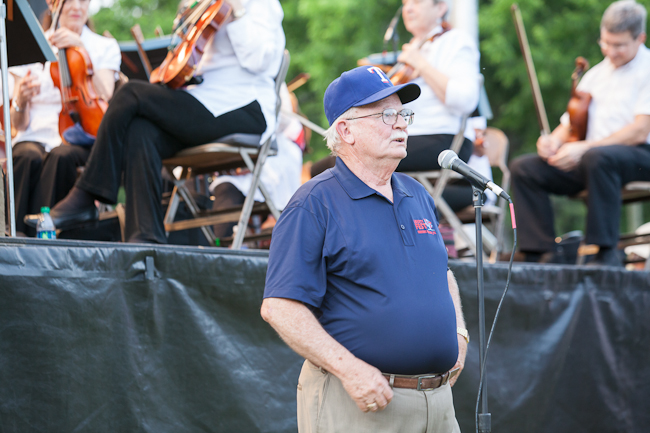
401	122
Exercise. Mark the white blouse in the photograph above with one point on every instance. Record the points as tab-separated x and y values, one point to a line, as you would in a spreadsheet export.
45	107
240	63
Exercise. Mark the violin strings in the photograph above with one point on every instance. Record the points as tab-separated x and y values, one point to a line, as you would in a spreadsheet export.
199	10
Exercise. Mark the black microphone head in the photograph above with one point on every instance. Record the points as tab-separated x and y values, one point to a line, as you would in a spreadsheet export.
446	158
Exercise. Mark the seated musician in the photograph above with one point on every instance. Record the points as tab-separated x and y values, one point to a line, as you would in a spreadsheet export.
147	123
45	170
446	67
616	149
446	64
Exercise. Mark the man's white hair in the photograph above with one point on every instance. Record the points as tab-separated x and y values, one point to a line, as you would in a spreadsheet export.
332	136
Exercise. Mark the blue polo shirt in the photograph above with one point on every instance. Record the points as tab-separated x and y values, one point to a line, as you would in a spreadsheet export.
373	272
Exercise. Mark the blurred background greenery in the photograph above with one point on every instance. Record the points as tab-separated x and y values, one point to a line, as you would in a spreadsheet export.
326	37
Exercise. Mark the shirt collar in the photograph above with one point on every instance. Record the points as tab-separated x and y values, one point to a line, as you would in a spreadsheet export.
437	29
629	65
356	188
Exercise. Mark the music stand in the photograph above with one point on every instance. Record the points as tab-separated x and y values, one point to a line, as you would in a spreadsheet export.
19	26
132	65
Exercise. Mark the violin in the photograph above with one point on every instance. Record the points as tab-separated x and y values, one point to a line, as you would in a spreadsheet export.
402	73
197	26
398	73
578	107
73	74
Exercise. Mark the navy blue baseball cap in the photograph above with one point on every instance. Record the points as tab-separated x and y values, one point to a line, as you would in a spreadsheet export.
361	86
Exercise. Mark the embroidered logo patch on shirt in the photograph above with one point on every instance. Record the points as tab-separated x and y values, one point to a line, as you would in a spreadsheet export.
424	226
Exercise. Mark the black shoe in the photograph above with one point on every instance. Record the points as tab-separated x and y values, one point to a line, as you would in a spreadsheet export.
607	257
548	257
65	219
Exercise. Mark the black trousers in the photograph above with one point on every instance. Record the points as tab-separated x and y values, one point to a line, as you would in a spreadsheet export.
603	171
423	151
43	179
144	124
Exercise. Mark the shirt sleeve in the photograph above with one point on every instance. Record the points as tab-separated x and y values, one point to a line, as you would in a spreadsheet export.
111	57
462	68
257	34
642	105
297	263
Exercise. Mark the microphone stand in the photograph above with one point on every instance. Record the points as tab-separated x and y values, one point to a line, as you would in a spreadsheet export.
484	418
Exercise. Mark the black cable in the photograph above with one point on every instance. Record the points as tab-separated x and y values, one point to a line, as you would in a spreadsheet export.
494	322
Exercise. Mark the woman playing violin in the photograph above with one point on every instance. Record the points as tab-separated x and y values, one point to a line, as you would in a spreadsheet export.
45	171
445	64
147	123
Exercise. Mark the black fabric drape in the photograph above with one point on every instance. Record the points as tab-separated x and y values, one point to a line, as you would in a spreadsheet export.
102	337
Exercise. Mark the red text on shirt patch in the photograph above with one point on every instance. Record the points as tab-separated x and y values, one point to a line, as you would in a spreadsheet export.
424	226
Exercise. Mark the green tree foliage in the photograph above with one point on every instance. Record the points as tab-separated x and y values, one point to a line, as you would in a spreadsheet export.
124	14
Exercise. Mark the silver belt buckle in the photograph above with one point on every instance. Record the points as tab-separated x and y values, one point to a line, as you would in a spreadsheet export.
419	388
445	379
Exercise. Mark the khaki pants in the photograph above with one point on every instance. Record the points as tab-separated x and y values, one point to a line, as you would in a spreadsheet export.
325	407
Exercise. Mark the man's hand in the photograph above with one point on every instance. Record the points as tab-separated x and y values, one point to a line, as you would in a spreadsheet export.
65	38
569	155
547	146
460	363
367	386
28	87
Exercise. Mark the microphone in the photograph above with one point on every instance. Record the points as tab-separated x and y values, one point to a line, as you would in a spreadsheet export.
391	27
448	159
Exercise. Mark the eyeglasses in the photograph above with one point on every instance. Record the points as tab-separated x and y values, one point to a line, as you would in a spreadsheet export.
389	116
615	47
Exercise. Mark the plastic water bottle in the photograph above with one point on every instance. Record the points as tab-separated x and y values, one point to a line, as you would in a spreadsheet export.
45	228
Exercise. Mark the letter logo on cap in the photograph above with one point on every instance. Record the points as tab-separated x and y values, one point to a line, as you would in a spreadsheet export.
379	72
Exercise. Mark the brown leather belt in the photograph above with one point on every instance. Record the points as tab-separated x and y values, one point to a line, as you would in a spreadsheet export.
421	383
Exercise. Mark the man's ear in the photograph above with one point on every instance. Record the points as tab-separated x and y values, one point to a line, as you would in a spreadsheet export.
443	8
343	128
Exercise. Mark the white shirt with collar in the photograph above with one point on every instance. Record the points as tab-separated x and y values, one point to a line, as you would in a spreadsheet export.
454	54
617	95
45	107
240	63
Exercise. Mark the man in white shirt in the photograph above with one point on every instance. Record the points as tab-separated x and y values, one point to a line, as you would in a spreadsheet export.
446	64
147	123
45	171
615	151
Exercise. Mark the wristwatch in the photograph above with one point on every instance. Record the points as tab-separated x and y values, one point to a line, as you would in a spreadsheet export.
463	332
16	106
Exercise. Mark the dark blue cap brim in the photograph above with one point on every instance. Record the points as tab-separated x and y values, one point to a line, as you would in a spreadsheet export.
407	92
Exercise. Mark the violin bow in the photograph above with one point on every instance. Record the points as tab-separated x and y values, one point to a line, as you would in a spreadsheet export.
530	68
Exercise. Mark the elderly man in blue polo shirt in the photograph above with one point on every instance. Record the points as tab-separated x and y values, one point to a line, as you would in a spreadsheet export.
358	282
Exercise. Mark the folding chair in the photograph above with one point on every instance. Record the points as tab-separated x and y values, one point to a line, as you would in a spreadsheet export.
633	192
232	151
497	147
